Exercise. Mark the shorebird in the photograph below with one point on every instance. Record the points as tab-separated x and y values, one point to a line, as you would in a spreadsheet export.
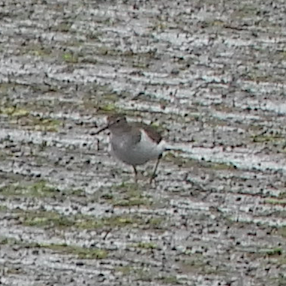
134	143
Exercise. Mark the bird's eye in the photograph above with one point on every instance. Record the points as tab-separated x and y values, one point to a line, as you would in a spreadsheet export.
118	120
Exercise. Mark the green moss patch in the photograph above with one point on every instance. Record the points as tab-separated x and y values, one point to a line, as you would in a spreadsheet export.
79	252
50	219
125	195
273	201
37	189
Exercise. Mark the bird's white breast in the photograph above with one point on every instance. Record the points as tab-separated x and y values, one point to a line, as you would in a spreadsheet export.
136	154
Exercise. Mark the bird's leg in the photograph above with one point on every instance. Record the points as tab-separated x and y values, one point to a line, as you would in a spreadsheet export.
135	174
155	169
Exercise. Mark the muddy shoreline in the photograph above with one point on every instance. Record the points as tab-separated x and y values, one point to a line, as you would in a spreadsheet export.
211	75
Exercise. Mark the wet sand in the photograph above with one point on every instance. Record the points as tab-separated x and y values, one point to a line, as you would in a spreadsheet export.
211	75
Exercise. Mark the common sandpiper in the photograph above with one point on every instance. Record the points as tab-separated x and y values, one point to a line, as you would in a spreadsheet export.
134	143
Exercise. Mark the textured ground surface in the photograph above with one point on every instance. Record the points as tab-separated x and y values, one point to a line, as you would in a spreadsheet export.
211	74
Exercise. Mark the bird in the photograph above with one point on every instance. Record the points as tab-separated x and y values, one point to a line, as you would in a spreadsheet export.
134	143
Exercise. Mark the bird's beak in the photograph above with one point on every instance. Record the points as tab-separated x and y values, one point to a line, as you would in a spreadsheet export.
104	128
101	129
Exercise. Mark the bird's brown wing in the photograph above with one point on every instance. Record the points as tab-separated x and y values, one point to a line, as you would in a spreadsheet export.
150	130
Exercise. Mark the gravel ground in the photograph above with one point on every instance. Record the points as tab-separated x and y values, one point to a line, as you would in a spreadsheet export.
211	75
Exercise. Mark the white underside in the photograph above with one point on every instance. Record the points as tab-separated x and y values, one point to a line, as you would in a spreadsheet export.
138	154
